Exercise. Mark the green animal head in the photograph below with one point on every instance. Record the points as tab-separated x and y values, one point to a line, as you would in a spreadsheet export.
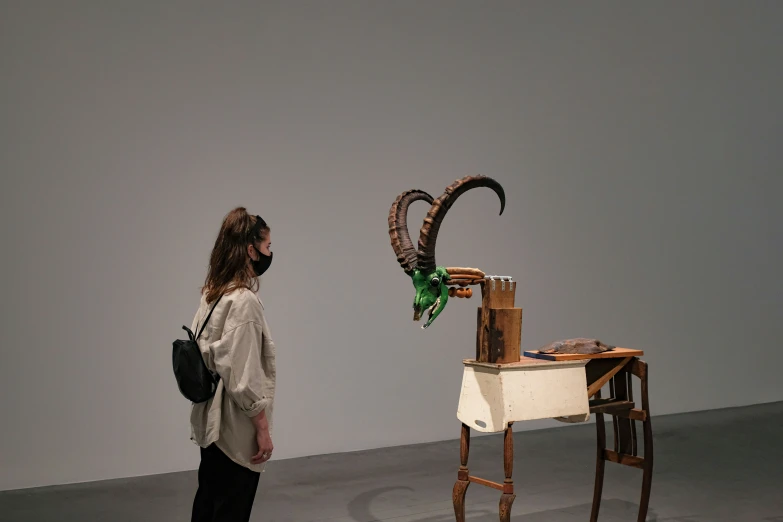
428	278
431	293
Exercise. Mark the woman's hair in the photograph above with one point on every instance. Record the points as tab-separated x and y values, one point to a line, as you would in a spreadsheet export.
228	264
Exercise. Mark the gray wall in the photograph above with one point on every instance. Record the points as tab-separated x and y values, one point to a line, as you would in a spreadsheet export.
639	145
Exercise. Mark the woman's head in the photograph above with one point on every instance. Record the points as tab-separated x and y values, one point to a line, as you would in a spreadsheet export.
241	253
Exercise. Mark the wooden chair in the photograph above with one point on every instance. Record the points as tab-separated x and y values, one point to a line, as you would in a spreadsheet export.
620	406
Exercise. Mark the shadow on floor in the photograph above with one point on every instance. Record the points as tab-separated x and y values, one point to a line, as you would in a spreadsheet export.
612	510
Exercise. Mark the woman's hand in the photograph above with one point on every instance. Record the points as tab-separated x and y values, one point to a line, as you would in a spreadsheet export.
263	439
265	447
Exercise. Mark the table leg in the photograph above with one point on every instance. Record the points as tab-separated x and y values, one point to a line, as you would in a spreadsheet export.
508	496
462	483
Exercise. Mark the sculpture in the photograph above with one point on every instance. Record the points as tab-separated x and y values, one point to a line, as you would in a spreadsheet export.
429	279
499	386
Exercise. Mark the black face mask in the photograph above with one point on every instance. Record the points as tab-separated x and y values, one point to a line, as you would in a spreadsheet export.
262	265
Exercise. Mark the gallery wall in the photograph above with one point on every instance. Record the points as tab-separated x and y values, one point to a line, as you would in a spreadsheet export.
639	146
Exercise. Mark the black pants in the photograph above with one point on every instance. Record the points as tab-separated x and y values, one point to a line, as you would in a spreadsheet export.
226	490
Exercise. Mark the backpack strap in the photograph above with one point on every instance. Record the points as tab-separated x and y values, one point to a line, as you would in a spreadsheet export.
208	316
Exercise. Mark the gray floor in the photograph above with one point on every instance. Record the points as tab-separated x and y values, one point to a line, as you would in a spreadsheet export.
709	467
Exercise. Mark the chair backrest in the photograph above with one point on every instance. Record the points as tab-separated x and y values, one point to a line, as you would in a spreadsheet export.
625	413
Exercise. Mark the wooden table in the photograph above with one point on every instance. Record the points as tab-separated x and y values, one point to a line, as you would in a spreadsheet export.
564	387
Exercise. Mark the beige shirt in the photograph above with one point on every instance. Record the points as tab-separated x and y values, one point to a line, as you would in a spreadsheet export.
237	345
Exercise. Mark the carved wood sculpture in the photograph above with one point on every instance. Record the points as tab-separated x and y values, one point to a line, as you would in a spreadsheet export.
498	343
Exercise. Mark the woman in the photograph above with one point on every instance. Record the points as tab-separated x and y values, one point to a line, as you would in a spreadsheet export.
233	429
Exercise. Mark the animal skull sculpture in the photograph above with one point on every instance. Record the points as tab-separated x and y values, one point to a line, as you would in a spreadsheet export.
428	278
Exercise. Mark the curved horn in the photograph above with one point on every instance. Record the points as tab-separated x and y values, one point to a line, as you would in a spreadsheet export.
398	228
429	231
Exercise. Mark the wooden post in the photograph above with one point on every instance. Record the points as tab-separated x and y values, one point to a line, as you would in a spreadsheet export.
499	334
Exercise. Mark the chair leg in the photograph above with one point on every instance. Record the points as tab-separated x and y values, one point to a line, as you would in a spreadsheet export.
644	503
600	464
462	483
647	470
642	373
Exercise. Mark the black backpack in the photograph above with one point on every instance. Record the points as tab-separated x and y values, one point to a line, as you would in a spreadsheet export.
195	381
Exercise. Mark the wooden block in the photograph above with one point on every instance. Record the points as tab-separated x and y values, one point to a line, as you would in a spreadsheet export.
505	334
498	297
617	353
